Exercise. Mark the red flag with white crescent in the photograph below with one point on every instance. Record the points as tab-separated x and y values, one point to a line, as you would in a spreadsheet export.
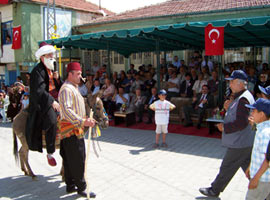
16	39
214	40
3	1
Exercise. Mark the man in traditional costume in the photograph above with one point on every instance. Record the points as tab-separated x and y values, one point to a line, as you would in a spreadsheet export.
73	120
42	105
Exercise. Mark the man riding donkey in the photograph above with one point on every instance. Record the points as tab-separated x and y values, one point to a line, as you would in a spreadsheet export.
43	106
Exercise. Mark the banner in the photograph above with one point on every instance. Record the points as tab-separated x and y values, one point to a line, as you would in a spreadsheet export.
16	39
3	1
214	40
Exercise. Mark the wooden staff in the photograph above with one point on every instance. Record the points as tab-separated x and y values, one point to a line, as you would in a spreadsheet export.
87	155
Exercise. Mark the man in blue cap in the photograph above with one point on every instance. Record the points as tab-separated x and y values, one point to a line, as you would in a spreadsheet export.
265	92
259	172
237	134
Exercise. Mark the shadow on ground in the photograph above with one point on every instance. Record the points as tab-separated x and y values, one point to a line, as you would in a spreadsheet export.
24	188
178	143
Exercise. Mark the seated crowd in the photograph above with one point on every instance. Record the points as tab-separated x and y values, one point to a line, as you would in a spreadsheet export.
197	81
135	90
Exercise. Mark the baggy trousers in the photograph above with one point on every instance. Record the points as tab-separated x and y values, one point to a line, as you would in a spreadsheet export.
50	137
232	161
72	151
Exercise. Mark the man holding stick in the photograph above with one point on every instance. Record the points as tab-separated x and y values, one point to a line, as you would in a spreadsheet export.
73	120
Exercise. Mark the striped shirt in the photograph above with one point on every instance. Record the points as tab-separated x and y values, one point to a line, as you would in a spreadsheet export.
261	141
72	107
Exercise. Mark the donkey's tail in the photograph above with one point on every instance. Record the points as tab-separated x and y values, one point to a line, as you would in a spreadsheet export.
15	147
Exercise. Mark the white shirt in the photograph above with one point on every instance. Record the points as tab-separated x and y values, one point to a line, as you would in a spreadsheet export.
118	99
162	111
175	81
96	89
83	90
198	85
203	97
209	64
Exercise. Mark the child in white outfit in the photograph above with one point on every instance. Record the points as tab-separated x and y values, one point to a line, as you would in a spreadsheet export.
162	109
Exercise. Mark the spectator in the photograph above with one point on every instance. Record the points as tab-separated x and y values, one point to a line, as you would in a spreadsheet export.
197	87
89	82
259	179
162	109
109	90
182	75
193	73
173	86
176	62
263	82
82	88
137	104
120	98
186	86
149	83
205	73
127	82
213	83
137	83
208	64
150	99
131	70
200	103
25	100
96	87
2	107
95	68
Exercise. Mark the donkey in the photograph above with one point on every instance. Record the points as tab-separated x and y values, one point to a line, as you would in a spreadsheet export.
91	102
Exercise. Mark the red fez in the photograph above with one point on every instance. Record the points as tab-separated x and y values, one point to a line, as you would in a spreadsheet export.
43	44
74	66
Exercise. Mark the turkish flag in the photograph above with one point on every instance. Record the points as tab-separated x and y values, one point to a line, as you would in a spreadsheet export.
16	39
214	40
3	1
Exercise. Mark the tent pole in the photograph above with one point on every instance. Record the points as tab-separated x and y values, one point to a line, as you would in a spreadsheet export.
158	63
109	60
220	78
69	54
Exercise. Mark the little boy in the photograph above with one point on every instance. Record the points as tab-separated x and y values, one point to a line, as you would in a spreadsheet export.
258	172
162	109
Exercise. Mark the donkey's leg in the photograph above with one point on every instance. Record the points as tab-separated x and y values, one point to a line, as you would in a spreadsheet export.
22	157
25	151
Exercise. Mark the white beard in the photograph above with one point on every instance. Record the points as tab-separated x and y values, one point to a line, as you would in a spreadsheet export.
49	63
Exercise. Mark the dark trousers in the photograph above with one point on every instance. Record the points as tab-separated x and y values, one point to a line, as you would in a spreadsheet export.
139	111
150	114
72	151
189	110
50	136
232	161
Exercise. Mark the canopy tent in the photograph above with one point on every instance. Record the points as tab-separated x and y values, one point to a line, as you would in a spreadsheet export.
240	32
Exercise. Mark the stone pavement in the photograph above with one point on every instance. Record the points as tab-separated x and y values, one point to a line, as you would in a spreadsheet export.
127	168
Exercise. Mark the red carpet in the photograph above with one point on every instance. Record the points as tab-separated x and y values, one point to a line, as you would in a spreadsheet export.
173	128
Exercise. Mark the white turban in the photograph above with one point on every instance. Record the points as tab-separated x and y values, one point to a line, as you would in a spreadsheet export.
44	49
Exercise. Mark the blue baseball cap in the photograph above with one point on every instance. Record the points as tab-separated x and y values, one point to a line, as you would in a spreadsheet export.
26	94
266	90
237	74
162	92
261	105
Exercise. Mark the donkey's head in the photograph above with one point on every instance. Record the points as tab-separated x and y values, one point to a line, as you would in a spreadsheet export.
95	103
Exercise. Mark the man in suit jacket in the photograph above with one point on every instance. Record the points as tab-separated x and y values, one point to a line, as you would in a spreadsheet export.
150	99
137	104
186	86
200	103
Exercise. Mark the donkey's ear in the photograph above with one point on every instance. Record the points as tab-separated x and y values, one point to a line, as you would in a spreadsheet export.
100	93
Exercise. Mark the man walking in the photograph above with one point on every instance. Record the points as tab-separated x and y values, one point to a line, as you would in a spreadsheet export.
237	134
73	120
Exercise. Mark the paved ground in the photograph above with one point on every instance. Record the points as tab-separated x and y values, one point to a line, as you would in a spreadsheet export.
127	168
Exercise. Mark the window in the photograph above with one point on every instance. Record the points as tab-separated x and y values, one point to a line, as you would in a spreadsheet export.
6	32
115	59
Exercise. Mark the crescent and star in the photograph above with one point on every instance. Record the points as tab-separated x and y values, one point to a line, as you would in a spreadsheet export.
16	33
212	31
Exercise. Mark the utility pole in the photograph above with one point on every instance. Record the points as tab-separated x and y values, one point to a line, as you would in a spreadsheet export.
51	20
